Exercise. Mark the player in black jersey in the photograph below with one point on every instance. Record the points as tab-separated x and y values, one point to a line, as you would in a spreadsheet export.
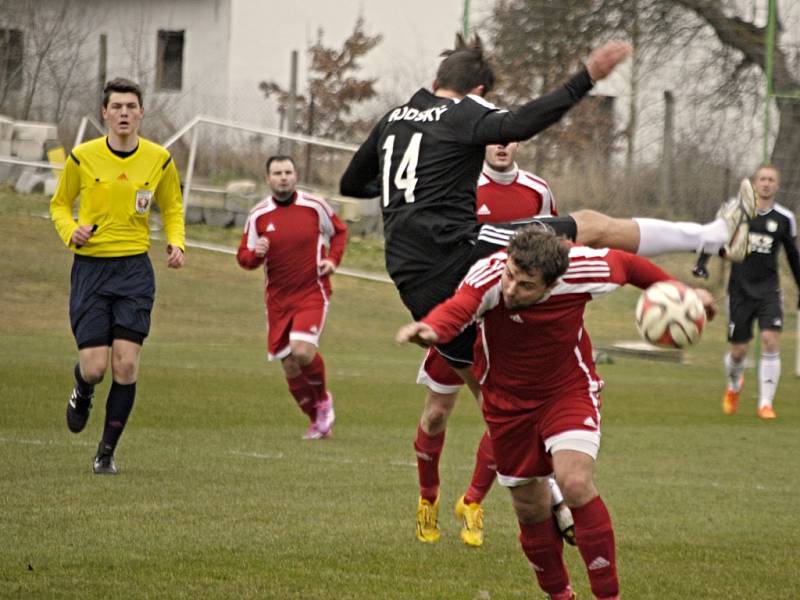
427	155
754	293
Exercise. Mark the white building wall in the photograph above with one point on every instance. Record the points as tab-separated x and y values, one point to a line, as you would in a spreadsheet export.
132	36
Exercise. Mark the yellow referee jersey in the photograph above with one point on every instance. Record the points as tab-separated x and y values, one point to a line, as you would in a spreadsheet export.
117	194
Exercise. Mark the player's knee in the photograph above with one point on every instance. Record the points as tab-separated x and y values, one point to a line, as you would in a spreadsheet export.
125	369
577	487
769	342
93	367
437	409
303	352
532	502
93	374
590	224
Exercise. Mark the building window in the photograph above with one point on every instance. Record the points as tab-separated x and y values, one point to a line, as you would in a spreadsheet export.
169	60
11	55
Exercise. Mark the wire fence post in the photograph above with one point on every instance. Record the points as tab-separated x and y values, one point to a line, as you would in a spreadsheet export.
190	168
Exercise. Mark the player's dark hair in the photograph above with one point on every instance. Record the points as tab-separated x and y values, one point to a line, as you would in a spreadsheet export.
465	67
538	248
121	86
280	158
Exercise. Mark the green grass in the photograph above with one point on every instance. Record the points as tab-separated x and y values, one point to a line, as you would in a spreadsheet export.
218	496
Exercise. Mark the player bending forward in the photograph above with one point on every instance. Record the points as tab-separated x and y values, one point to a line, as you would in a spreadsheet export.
533	360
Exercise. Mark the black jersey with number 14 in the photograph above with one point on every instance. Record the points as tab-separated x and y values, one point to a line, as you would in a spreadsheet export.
425	157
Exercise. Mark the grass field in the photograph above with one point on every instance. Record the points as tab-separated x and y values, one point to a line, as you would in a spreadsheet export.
218	497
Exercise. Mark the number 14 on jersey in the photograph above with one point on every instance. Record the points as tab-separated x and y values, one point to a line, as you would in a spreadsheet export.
405	177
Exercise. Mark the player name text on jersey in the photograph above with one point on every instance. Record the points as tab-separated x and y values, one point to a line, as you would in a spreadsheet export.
405	113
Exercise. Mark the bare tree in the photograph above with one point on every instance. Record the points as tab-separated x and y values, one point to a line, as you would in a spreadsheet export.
745	45
333	88
54	40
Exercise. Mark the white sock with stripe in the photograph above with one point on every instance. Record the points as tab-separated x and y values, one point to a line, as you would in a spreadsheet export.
769	372
657	236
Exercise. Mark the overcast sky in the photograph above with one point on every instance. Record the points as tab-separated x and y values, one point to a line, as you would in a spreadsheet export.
414	32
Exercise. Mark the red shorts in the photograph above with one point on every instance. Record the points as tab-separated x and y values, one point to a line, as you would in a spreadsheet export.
437	374
302	323
523	442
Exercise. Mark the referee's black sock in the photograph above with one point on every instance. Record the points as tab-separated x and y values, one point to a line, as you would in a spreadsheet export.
85	389
118	407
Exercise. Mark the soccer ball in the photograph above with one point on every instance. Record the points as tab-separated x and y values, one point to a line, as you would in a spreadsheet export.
670	314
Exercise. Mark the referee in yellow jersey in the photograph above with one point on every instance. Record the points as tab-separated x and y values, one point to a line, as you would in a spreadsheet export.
117	178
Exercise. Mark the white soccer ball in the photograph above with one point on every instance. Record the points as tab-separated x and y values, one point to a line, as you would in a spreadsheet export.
670	314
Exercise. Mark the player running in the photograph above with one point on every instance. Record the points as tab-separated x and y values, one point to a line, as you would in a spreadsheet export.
299	241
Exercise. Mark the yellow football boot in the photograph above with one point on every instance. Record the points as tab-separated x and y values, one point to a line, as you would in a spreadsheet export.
471	516
428	521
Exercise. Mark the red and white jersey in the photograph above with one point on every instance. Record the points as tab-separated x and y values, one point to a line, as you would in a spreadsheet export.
300	234
512	195
531	356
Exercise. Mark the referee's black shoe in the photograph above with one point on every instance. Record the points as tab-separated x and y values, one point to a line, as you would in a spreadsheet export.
78	409
104	463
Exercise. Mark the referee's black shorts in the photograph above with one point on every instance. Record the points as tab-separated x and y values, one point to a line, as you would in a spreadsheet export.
111	298
421	299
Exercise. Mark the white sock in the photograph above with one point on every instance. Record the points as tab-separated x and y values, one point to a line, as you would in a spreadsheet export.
733	371
657	236
555	491
769	372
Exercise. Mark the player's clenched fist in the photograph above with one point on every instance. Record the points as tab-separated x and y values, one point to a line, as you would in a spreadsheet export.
262	245
603	60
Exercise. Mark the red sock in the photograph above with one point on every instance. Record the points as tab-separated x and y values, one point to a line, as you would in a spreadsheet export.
304	395
594	536
543	545
314	373
429	448
485	472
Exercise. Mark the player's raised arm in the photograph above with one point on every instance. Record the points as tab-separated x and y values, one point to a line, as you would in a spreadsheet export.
537	115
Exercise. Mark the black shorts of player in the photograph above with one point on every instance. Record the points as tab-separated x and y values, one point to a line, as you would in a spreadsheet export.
111	298
422	299
743	310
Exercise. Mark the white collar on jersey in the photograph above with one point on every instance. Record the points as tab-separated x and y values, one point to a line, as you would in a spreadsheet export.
501	177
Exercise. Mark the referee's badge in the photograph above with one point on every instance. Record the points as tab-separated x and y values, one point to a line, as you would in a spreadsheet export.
143	200
772	226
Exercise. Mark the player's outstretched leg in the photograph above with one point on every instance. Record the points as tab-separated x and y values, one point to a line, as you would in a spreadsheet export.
651	237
